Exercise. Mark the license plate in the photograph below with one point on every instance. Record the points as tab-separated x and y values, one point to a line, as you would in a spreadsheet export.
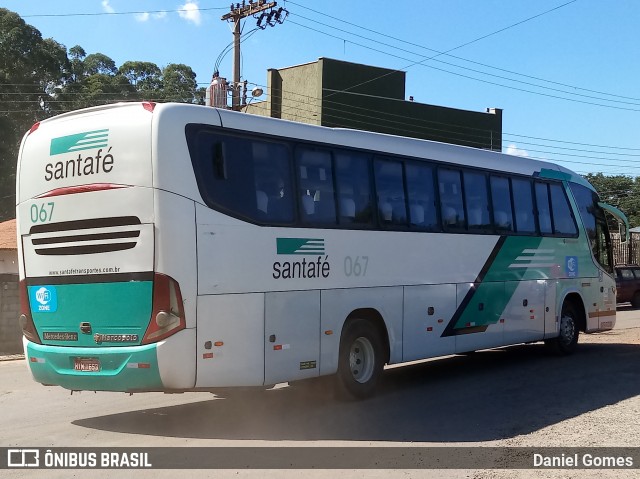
86	364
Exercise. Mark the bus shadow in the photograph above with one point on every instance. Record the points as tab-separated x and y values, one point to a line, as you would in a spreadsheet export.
489	395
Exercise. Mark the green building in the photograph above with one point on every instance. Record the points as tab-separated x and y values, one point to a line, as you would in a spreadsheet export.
340	94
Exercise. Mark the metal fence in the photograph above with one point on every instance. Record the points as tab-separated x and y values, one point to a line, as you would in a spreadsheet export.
626	253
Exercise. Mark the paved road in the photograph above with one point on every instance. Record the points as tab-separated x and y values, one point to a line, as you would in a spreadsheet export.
491	398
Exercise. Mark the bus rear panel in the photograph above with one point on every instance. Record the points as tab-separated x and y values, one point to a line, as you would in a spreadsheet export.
95	311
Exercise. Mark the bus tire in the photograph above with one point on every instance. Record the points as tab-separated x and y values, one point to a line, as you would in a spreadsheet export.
360	360
567	340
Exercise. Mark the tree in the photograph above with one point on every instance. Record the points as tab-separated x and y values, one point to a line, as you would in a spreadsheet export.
179	83
94	80
76	58
146	77
39	79
99	63
30	68
621	191
100	89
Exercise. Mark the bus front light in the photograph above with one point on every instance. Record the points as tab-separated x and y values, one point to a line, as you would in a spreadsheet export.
168	311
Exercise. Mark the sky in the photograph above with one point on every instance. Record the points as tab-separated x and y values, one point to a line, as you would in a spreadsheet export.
565	72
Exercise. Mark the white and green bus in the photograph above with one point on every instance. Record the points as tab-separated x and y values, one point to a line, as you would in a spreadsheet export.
169	247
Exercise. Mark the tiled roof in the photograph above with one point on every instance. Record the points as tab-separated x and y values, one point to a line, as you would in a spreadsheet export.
8	235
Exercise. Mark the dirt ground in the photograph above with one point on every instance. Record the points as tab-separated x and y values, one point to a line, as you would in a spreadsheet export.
613	425
520	396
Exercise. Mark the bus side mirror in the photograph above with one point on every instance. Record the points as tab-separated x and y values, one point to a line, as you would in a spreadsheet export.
623	222
624	232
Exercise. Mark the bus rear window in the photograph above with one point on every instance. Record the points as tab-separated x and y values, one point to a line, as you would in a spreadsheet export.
244	177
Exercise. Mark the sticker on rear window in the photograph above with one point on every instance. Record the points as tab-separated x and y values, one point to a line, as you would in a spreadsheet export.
44	299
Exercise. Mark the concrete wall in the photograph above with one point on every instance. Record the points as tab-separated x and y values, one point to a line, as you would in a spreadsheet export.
341	94
339	76
374	100
417	120
295	92
260	108
10	331
8	261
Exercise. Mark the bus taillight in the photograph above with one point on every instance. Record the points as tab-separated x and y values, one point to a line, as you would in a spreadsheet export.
167	317
149	106
26	321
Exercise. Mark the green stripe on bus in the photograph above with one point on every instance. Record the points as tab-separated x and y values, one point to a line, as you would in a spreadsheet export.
305	246
520	258
79	141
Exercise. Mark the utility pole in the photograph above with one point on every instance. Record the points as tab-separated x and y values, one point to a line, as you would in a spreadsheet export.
235	15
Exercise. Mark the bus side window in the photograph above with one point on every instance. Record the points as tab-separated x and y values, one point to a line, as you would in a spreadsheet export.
501	199
423	215
563	222
523	205
243	177
595	224
544	208
451	202
354	189
392	205
272	182
315	181
477	200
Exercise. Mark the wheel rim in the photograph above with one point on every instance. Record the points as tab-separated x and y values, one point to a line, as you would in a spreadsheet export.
361	360
567	329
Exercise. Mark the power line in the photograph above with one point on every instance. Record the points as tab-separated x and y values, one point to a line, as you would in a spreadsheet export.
438	128
545	159
570	142
98	14
509	27
635	103
401	126
489	82
439	52
402	129
228	48
470	42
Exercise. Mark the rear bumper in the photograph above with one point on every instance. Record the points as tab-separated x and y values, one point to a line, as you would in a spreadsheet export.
127	368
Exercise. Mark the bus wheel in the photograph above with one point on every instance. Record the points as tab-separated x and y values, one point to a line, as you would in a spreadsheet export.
360	360
567	339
